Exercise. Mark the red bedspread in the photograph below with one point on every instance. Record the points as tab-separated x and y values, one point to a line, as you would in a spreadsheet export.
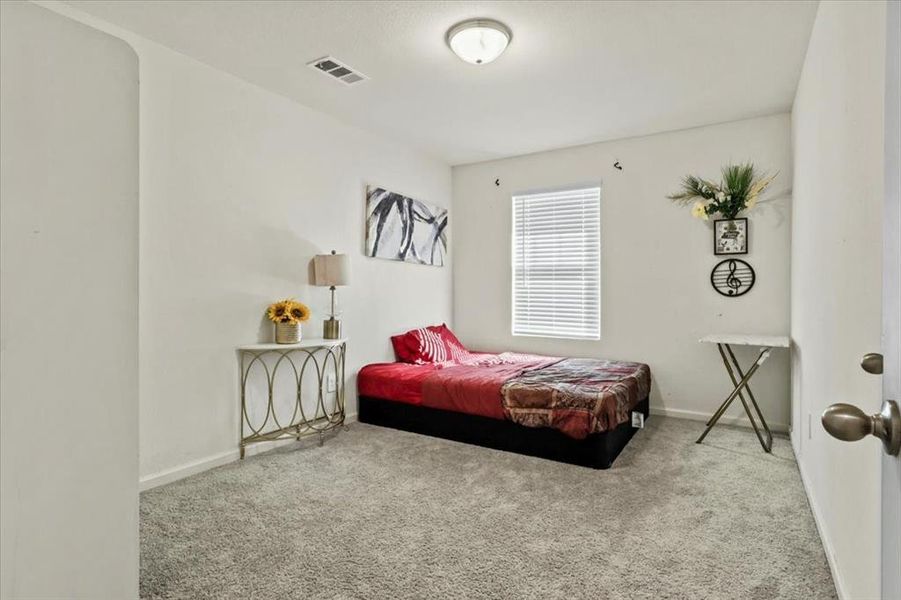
575	396
476	388
481	375
397	381
578	396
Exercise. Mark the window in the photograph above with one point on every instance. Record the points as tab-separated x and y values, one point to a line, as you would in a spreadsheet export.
557	264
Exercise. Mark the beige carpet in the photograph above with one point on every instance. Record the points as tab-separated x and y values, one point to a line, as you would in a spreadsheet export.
378	513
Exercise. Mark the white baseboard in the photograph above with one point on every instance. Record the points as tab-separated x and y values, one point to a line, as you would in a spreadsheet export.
216	460
819	520
692	415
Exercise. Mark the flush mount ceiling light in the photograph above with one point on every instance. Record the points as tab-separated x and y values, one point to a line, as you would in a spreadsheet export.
479	41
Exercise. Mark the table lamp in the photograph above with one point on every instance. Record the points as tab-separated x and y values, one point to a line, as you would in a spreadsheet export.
331	270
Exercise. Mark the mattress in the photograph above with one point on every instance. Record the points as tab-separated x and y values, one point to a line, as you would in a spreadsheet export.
575	396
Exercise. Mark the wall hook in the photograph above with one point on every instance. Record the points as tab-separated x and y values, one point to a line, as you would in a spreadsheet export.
617	166
497	182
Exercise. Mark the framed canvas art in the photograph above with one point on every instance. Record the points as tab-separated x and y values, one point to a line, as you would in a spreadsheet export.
730	236
401	228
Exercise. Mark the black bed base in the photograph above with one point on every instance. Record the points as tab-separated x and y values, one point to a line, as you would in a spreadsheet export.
597	451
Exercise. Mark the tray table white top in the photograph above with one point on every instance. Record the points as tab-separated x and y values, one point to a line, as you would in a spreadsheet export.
745	339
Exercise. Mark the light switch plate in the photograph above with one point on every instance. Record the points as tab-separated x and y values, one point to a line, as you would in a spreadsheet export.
330	383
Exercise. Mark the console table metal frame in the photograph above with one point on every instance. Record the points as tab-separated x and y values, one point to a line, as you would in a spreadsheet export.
299	357
742	382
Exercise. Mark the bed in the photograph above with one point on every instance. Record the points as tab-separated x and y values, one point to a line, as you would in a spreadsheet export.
573	410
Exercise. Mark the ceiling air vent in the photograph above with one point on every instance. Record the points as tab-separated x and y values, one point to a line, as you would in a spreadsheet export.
336	69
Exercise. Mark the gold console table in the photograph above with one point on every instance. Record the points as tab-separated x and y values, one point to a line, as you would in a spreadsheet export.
307	399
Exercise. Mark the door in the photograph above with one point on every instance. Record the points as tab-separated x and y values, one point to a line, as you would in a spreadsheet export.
68	308
848	422
845	421
891	302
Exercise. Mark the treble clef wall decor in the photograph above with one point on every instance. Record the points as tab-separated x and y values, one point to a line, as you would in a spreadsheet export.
732	277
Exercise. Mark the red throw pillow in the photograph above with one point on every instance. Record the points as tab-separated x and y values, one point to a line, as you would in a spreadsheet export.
432	344
405	347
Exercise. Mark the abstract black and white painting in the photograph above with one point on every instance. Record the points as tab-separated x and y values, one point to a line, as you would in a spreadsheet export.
401	228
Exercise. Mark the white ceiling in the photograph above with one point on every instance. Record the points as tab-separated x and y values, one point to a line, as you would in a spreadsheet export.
575	72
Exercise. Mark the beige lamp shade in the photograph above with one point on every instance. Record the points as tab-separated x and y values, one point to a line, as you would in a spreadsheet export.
331	269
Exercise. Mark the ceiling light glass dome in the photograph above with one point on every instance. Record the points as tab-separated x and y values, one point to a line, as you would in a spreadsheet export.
479	41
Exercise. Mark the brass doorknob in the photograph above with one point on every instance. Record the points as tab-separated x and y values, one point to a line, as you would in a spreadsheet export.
872	363
848	423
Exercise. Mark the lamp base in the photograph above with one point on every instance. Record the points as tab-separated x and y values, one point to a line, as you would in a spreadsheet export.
331	329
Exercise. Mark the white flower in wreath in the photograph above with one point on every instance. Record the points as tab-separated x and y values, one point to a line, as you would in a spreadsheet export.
699	211
721	196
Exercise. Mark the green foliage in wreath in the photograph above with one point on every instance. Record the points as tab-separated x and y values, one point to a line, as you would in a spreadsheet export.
737	191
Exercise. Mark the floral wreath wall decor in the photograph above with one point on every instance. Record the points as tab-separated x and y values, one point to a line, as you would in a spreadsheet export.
738	190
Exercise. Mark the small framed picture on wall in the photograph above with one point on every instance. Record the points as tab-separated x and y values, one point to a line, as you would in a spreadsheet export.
730	236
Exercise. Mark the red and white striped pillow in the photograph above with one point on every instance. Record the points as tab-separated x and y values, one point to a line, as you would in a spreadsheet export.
433	344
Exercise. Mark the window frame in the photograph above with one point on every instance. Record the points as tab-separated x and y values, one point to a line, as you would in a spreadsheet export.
591	185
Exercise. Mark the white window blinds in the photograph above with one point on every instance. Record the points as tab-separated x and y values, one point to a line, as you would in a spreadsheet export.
557	264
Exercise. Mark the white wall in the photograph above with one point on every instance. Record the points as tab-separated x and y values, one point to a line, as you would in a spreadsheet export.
656	259
68	309
837	126
240	187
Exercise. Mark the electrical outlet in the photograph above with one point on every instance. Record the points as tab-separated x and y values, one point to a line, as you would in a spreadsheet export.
330	383
638	420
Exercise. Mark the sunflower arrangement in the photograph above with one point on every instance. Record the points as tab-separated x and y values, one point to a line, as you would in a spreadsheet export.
738	190
288	311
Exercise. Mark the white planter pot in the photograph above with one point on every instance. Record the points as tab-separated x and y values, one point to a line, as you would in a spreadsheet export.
287	333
